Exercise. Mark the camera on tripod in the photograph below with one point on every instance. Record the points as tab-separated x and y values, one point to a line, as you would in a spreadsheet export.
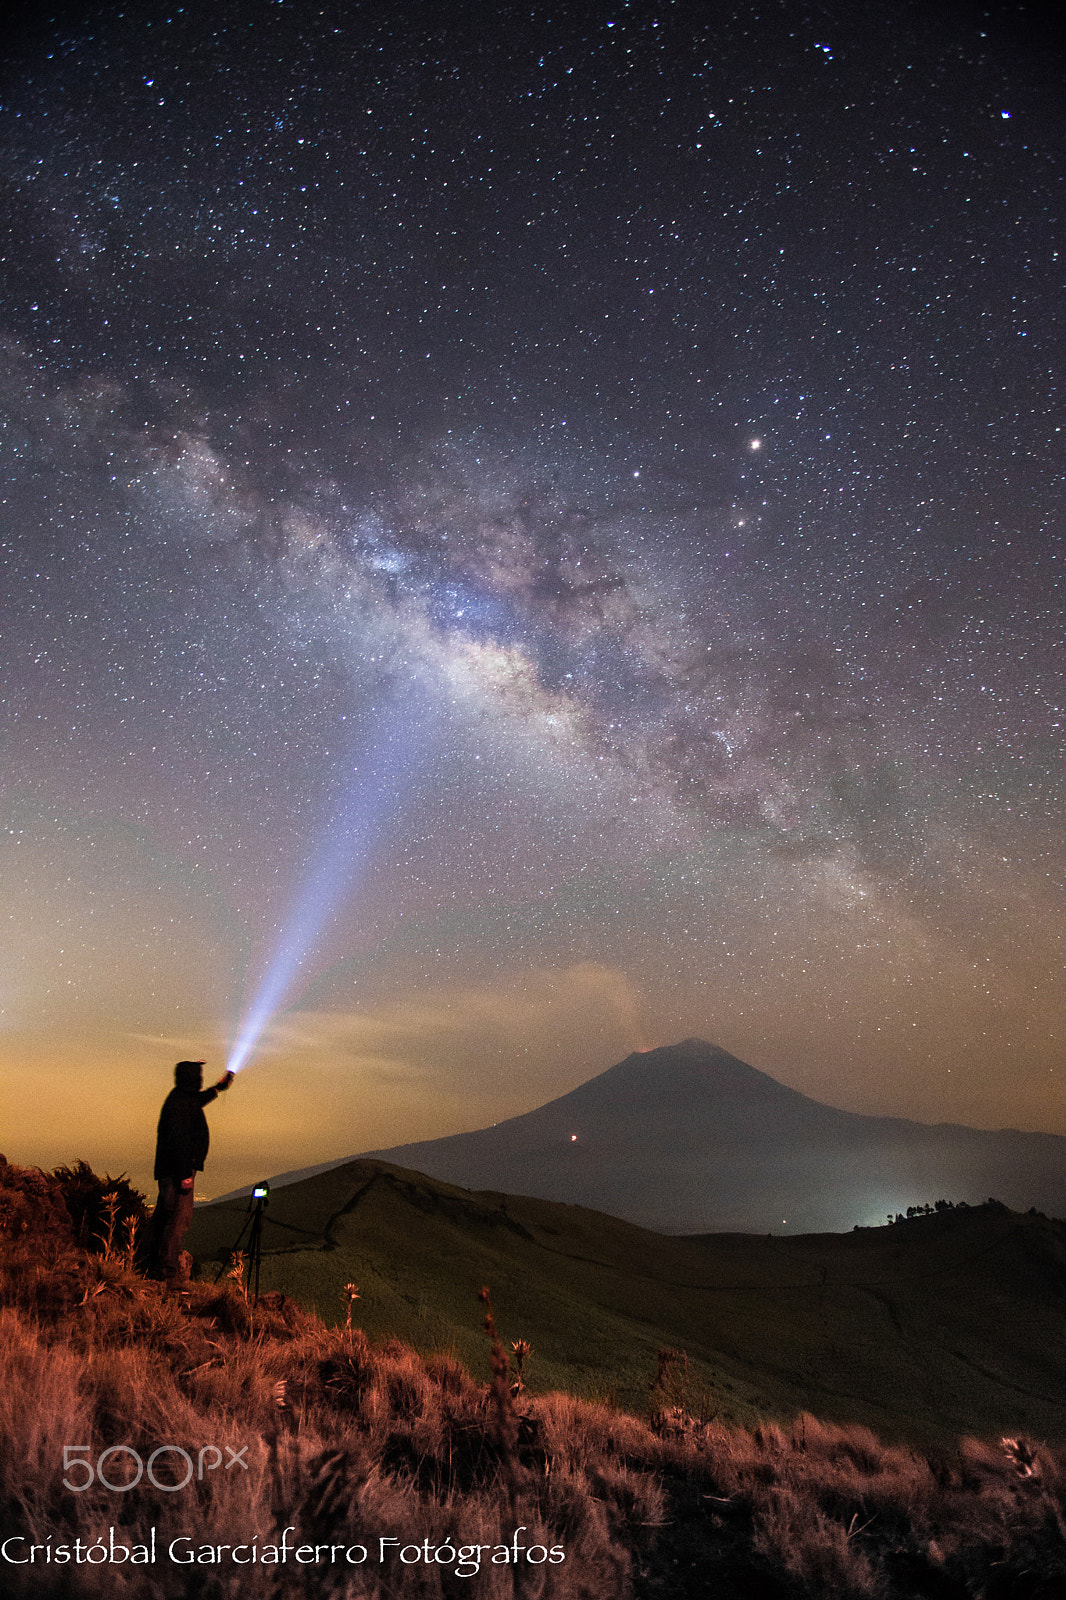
257	1201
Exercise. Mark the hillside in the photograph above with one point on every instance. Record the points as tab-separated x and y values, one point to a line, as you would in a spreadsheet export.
945	1324
688	1139
257	1451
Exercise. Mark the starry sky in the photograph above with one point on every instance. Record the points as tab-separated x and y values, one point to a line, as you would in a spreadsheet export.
532	531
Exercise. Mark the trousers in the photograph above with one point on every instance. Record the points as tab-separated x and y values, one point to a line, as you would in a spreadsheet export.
170	1223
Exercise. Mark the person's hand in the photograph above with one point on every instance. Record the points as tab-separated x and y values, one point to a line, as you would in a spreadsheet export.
225	1081
186	1185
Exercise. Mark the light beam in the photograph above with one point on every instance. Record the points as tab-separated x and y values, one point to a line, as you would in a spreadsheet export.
335	871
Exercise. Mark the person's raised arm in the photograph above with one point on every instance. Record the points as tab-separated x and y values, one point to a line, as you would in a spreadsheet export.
206	1096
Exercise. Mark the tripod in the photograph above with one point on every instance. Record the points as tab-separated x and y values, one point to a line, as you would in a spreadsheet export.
253	1222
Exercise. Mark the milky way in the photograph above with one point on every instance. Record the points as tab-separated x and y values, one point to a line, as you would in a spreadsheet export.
613	449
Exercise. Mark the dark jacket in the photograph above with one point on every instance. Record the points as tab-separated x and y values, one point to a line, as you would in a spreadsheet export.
182	1140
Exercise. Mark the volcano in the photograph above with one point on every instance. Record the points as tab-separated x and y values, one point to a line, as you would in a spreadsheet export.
689	1139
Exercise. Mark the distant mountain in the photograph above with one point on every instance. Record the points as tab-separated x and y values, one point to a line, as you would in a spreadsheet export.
688	1139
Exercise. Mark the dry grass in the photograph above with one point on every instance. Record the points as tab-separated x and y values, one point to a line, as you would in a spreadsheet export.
353	1443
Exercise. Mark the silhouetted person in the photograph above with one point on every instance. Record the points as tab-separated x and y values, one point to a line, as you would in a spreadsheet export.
180	1153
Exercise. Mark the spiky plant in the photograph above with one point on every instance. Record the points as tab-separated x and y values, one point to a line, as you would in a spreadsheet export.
236	1272
110	1219
129	1228
522	1352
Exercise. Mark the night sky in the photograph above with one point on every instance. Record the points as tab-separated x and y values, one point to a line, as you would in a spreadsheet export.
533	529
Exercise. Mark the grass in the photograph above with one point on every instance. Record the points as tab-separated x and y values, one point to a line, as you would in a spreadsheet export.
944	1325
362	1439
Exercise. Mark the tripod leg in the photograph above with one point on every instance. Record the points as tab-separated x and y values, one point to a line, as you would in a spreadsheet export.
255	1248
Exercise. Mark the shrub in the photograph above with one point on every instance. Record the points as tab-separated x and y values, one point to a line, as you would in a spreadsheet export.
98	1221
